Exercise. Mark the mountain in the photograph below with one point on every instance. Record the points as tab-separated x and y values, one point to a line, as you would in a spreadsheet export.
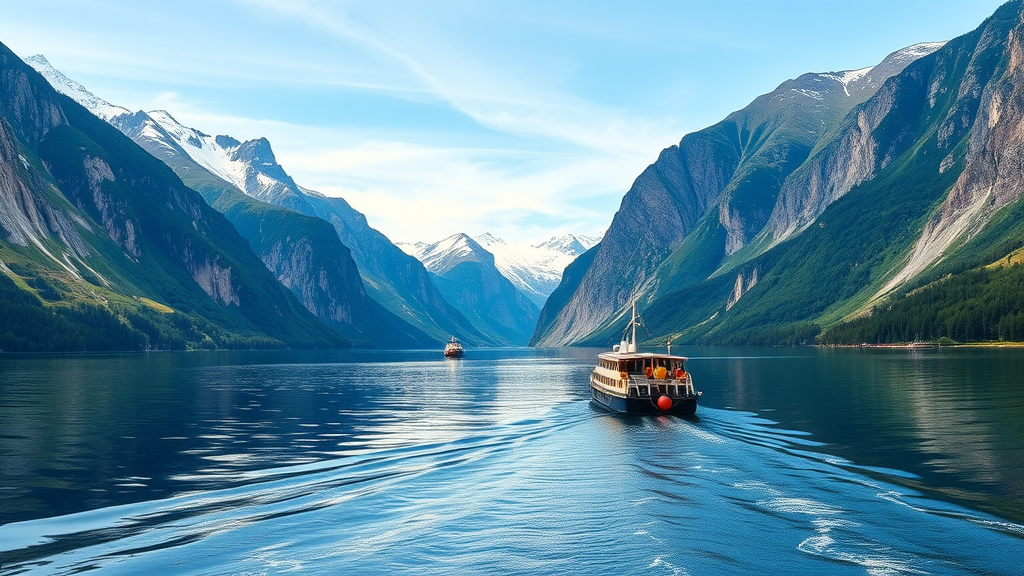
535	270
570	244
303	252
468	276
397	280
718	189
104	248
415	313
833	198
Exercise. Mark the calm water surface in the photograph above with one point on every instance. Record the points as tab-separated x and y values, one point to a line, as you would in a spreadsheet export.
800	461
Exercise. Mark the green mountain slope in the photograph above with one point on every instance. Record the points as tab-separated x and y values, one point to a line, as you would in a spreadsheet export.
303	252
914	185
114	248
711	198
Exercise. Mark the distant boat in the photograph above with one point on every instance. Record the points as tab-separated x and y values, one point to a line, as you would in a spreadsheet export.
633	382
453	349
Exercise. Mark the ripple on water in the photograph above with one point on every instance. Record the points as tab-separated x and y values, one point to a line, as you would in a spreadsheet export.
573	492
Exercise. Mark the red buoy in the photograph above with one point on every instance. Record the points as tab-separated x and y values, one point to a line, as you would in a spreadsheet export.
664	402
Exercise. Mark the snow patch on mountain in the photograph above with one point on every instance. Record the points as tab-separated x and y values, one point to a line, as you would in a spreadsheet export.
534	269
98	106
250	165
443	255
865	80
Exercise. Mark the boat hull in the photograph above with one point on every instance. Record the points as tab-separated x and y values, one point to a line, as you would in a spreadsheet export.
642	405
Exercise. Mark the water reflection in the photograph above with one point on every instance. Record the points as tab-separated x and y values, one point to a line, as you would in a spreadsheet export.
948	416
89	431
332	461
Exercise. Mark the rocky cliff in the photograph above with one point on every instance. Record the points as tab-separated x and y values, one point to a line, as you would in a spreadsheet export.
106	235
730	179
914	188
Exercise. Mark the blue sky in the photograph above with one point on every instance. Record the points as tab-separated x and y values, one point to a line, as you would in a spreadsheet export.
527	119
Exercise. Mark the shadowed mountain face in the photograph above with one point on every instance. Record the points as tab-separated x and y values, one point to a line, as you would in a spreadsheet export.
397	280
303	252
466	274
104	248
817	203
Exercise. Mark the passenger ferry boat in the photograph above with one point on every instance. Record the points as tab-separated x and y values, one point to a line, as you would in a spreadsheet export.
453	349
626	380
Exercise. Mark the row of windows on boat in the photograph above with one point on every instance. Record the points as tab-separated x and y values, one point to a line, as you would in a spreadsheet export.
620	384
641	365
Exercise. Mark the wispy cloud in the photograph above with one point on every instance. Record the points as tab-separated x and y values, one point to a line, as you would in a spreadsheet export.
484	90
567	162
524	116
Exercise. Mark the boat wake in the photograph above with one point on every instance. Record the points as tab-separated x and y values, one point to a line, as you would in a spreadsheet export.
572	490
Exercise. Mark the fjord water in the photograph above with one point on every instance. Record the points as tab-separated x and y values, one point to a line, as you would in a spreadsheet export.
800	461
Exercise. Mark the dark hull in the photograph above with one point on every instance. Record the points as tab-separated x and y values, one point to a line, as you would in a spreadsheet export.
632	405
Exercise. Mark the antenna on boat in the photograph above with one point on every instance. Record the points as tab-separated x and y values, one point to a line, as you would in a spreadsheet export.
628	345
632	343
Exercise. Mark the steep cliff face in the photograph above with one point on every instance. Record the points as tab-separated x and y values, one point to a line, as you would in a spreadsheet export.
303	252
106	234
663	205
22	218
868	141
991	106
391	278
731	177
28	105
907	180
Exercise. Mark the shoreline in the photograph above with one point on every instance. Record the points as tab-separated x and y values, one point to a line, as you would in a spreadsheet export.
927	345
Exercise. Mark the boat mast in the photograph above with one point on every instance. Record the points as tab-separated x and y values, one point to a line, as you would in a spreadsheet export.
632	322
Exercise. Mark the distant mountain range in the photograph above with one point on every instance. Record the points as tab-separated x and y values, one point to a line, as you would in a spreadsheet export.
836	208
503	273
468	276
535	270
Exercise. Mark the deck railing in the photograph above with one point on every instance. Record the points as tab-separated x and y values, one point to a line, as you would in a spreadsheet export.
641	386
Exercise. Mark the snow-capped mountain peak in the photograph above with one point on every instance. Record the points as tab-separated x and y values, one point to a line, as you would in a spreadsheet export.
250	165
74	90
443	255
537	269
488	239
570	244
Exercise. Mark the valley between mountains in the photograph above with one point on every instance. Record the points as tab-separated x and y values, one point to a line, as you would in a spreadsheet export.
875	205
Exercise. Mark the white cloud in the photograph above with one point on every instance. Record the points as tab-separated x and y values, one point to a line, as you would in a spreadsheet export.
416	193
